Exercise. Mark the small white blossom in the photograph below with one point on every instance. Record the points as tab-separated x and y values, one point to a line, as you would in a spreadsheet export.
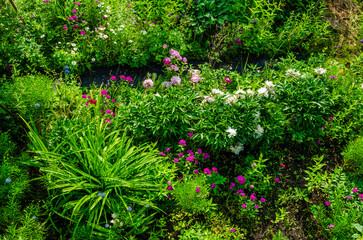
72	52
257	116
86	28
73	44
292	73
232	132
108	11
231	99
320	71
105	36
41	36
75	49
93	59
217	91
130	41
113	215
258	131
237	149
143	32
74	62
250	92
263	91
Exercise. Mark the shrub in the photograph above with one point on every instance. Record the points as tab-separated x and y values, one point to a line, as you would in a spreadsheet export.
353	157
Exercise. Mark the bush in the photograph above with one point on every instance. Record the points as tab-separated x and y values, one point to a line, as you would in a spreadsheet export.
353	157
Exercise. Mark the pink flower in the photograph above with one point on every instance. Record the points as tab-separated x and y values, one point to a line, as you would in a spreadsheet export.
167	150
130	79
355	190
148	83
84	96
74	11
107	120
82	32
207	171
253	164
197	189
176	160
181	155
170	188
331	226
277	180
113	115
78	4
65	27
360	195
75	26
253	197
196	162
190	158
165	46
244	205
122	77
180	178
241	179
233	230
108	96
185	60
239	191
251	186
86	103
113	100
190	134
168	196
196	171
182	142
206	155
263	200
190	152
282	165
199	151
227	79
256	206
328	203
162	154
213	185
74	17
103	92
214	169
113	78
331	118
349	197
108	111
128	5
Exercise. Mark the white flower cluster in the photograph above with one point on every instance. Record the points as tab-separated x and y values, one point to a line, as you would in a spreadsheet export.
231	99
266	90
320	71
143	32
237	148
232	132
258	131
207	99
114	220
292	73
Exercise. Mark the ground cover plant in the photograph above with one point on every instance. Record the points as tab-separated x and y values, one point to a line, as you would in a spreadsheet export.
200	151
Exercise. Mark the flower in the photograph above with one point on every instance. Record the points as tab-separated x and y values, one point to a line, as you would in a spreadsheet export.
129	209
328	203
349	197
74	63
277	180
253	164
253	197
190	152
92	101
93	59
256	207
320	71
103	92
355	190
197	189
207	171
170	188
331	226
108	96
181	155
244	205
199	151
165	46
214	169
195	78
102	195
282	165
107	225
241	179
182	142
176	160
196	171
42	36
34	217
206	155
232	132
37	105
213	185
190	134
168	196
167	150
331	118
190	158
162	154
129	79
175	80
237	149
148	83
113	78
233	230
333	77
263	200
258	131
8	180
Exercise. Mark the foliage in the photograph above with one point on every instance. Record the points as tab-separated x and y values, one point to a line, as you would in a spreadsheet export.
353	157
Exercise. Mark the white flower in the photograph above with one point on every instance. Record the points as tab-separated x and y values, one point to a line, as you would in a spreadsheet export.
113	215
237	149
59	42
250	92
93	59
41	36
86	28
292	73
320	71
122	26
232	132
130	41
258	131
74	62
257	115
112	221
240	92
73	44
101	28
75	49
73	52
68	43
175	80
108	7
263	91
143	32
105	36
217	91
108	11
121	224
157	95
231	99
269	84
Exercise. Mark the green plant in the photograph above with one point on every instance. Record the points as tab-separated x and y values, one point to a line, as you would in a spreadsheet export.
6	145
360	230
95	170
353	157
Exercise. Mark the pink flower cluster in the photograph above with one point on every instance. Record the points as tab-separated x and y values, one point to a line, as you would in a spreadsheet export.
227	80
126	78
195	78
173	54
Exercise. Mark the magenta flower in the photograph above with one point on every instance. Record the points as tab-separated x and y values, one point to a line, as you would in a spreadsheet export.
165	46
113	114
206	155
333	77
213	185
113	100
253	164
181	155
233	230
75	26
331	118
82	32
355	190
227	79
74	17
197	189
277	180
103	92
167	150
65	27
162	154
241	179
78	3
89	96
214	169
263	200
199	151
360	195
190	158
84	96
196	162
182	142
108	96
130	80
207	171
190	152
256	206
190	134
176	160
328	203
253	197
244	205
168	196
170	188
122	77
331	226
196	171
349	197
113	78
239	191
108	111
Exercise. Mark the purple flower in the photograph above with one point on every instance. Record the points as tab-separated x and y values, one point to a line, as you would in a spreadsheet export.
206	155
182	142
181	155
167	150
213	185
